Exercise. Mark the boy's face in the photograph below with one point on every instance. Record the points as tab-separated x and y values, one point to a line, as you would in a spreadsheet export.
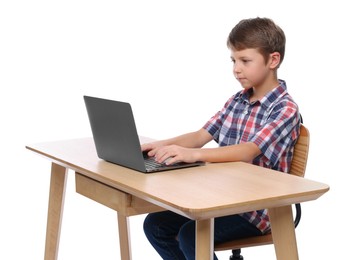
250	68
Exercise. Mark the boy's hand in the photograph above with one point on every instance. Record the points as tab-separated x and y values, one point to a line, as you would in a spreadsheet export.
173	154
151	148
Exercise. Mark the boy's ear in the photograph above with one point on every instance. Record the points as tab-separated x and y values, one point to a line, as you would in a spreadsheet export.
274	60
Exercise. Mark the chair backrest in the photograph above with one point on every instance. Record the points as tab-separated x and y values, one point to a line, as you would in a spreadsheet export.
301	149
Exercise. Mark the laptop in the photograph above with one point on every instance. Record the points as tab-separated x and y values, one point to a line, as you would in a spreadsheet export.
116	138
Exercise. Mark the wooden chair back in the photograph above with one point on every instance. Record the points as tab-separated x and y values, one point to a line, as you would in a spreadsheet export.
301	149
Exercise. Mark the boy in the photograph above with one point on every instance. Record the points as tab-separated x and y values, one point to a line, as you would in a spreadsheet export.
259	124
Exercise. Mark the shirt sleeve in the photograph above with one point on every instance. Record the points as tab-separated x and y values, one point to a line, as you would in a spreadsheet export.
279	132
215	123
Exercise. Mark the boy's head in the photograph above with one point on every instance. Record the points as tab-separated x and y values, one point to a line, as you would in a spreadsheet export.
258	33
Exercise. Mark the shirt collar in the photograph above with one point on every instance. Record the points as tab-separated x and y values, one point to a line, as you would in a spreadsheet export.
268	99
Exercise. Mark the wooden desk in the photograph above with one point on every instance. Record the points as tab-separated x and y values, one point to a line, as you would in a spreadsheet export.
200	193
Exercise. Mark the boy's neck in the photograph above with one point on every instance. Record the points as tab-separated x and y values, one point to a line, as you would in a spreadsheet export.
260	91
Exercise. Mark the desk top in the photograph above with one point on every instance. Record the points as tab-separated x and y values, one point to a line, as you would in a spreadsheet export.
213	190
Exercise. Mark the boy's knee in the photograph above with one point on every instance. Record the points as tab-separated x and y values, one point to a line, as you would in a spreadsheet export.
187	235
148	224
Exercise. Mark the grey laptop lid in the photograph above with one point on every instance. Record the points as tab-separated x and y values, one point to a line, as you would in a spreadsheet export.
115	135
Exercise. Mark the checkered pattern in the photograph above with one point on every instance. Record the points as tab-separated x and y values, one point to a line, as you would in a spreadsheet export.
272	123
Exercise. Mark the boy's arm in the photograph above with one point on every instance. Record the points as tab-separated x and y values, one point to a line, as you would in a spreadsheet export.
170	154
172	150
245	152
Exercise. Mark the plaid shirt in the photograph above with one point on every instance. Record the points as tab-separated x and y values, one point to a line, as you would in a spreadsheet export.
272	123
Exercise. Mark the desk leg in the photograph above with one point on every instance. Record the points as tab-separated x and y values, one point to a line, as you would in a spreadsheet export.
55	210
205	239
124	237
283	233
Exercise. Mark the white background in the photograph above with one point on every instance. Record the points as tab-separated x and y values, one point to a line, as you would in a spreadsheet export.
170	61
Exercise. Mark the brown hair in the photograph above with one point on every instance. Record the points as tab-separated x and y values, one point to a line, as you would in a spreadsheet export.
258	33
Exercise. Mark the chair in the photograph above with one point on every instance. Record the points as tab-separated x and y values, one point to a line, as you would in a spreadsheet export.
298	168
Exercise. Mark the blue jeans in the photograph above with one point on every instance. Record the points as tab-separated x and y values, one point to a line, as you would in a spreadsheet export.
173	236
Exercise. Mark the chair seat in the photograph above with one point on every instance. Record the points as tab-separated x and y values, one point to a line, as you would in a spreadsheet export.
245	242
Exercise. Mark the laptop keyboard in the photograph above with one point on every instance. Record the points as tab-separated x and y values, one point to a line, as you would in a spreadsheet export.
150	163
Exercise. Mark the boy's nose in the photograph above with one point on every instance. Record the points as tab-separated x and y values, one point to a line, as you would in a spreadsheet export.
236	69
